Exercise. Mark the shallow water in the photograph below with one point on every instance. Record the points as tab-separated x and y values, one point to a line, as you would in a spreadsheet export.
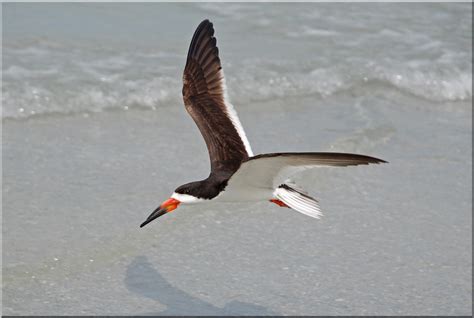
74	57
95	136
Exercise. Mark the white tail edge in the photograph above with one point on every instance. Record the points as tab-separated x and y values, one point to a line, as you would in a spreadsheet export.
298	201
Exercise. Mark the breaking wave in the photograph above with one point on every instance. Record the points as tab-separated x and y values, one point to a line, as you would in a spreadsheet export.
109	84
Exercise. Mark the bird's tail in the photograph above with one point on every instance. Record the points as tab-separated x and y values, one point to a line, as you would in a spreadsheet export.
298	200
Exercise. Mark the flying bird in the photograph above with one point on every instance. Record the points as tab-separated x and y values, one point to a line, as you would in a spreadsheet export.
237	175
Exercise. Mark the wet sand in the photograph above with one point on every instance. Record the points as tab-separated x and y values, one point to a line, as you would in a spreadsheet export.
394	239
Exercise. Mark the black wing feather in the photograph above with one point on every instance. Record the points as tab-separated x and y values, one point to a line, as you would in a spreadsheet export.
203	95
325	158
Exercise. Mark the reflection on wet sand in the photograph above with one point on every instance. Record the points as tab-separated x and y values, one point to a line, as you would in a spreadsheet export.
143	279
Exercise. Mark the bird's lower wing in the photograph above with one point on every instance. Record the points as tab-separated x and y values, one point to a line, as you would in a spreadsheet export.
267	170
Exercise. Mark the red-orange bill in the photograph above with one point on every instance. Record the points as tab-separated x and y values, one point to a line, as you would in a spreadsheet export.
167	206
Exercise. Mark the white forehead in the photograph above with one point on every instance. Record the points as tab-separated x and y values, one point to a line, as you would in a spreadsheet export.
186	198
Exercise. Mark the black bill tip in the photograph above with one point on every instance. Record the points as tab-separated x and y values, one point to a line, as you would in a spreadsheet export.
154	215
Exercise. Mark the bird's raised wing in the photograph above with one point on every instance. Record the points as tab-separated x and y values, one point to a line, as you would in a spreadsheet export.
205	98
269	170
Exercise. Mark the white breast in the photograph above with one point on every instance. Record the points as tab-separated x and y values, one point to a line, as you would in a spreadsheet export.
186	198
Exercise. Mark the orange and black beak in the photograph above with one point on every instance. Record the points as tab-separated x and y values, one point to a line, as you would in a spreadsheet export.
167	206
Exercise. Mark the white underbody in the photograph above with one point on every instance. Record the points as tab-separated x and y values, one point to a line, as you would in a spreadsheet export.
259	180
232	195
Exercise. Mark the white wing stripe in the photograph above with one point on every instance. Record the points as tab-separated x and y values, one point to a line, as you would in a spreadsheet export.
234	118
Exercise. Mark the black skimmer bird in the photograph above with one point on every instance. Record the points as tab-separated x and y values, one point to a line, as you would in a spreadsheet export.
236	174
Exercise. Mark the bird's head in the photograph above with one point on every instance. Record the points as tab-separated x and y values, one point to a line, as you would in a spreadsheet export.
182	195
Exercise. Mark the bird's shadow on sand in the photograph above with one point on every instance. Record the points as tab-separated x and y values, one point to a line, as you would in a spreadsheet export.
142	279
